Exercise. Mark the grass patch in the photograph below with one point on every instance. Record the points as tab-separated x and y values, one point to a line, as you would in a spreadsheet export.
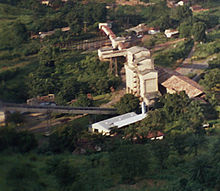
101	99
169	57
206	49
214	35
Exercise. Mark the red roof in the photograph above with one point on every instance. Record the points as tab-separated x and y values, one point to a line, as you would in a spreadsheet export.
109	31
155	134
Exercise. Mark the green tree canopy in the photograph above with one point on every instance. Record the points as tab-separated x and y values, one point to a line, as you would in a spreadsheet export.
127	104
211	80
130	161
181	13
198	31
185	29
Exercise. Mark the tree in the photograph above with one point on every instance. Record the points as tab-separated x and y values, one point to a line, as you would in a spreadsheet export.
127	104
13	35
211	80
181	13
83	101
194	142
23	177
70	89
65	173
15	117
161	151
164	22
43	81
185	29
92	179
200	169
174	105
130	161
20	33
23	141
48	55
198	31
155	120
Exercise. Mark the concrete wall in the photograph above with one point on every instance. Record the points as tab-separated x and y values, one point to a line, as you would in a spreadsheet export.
142	54
131	77
148	83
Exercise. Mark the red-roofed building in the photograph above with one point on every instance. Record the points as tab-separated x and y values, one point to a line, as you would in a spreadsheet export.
156	135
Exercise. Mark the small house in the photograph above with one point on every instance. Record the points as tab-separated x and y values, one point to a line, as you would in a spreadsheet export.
153	30
171	33
157	135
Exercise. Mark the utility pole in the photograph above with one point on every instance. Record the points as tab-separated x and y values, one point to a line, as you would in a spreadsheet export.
110	65
85	26
48	122
116	67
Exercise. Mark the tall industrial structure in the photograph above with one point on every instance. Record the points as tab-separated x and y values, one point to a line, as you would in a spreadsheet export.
141	77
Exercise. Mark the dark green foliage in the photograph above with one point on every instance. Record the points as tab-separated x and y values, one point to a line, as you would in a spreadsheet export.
168	165
169	57
83	101
24	177
125	16
130	161
65	174
154	12
164	22
154	121
199	169
43	81
69	90
68	78
211	80
13	35
207	18
80	17
161	150
181	13
195	141
15	117
127	104
174	105
185	29
20	33
95	180
13	83
198	31
66	138
19	141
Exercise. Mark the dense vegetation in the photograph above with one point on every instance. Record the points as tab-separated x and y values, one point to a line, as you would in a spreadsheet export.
187	158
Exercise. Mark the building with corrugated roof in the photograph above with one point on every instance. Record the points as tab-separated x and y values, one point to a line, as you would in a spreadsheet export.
176	82
120	121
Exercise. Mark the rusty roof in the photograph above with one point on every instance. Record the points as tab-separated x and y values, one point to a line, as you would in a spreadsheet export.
110	31
175	81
